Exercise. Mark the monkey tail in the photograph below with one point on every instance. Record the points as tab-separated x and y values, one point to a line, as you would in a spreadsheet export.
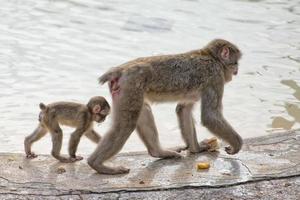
44	109
111	74
43	106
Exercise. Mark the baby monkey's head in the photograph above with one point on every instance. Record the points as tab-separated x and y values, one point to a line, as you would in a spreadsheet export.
99	108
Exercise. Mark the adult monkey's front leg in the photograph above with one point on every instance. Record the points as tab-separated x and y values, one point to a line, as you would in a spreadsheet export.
212	118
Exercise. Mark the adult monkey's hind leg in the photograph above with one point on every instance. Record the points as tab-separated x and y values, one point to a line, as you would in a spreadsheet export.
127	106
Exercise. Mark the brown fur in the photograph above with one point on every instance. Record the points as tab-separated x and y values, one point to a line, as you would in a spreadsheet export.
183	78
71	114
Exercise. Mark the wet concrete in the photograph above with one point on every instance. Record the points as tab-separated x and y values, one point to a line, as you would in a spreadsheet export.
261	161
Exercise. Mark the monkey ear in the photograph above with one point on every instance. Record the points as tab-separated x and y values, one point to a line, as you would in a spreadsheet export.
225	53
97	109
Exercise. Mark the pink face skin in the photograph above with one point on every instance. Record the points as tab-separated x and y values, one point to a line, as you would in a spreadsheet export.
100	115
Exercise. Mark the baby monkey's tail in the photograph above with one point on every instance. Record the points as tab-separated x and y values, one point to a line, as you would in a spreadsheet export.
115	72
43	108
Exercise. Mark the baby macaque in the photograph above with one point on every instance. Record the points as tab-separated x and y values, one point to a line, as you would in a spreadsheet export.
75	115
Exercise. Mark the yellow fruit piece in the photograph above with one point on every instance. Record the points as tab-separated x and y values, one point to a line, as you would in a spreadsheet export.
203	165
213	144
60	170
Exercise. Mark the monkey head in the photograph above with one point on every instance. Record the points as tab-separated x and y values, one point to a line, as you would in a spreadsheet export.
99	108
228	54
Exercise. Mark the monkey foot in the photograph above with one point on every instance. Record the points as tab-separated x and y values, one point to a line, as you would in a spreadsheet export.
179	149
166	154
102	169
203	146
31	156
66	160
76	158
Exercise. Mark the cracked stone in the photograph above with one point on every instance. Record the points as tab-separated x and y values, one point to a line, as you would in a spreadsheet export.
46	176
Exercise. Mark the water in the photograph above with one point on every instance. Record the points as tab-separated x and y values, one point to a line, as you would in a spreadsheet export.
55	50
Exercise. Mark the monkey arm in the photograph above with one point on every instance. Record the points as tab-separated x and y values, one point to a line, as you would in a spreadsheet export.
93	135
79	131
212	118
37	134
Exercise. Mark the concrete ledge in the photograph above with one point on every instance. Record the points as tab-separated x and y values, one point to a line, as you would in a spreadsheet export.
273	157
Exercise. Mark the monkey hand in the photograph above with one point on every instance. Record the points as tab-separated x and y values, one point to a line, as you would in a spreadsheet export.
235	147
231	150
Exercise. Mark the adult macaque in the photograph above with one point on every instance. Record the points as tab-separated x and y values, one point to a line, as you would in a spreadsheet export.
75	115
184	78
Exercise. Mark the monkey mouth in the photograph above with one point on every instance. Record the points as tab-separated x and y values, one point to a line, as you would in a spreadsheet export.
235	72
100	121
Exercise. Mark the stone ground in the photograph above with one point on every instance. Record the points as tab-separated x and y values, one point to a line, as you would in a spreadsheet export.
267	168
287	188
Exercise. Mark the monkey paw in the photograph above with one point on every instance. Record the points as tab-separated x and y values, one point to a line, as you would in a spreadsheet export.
121	170
76	158
31	156
166	154
66	160
176	155
111	170
179	149
230	150
103	169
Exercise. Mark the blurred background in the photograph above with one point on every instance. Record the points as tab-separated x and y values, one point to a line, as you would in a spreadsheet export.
53	50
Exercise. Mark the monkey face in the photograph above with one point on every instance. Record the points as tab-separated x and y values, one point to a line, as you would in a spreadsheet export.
100	115
234	69
230	55
230	71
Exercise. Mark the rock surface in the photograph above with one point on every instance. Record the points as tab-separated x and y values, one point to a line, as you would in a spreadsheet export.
266	167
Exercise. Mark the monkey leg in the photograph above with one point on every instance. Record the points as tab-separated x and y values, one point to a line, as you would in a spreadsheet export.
148	133
187	128
37	134
93	136
56	134
73	143
212	118
111	143
127	106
